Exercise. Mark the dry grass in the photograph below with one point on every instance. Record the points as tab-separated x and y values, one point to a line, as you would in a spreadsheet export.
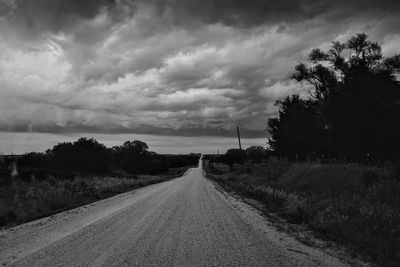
22	201
358	206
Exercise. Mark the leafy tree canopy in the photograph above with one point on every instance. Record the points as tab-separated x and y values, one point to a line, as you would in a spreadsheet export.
354	105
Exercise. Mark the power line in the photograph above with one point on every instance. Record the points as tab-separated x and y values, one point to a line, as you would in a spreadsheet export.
393	36
368	27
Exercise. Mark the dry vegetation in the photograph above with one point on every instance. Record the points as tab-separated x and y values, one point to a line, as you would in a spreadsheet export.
358	206
26	200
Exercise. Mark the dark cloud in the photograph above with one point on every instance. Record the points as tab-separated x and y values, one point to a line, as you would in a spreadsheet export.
58	15
34	17
237	12
59	9
257	12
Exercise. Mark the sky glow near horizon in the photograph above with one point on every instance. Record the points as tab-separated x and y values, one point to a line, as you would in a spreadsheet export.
24	142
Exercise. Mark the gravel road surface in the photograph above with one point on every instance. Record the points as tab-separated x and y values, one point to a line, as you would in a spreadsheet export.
183	222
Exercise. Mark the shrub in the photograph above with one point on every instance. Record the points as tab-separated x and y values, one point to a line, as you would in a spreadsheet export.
234	156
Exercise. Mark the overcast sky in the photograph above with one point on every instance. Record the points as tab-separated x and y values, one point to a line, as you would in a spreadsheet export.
168	67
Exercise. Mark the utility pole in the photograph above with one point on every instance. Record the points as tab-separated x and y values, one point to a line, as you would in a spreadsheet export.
238	134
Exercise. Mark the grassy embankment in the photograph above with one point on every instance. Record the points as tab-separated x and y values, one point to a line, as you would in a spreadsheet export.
357	206
24	200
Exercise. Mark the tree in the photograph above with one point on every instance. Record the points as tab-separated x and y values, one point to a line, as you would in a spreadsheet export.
132	156
84	155
354	105
135	147
298	132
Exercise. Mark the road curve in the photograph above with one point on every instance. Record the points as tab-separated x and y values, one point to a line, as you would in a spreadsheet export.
182	222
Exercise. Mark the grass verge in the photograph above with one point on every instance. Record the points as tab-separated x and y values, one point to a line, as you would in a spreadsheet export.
357	206
22	201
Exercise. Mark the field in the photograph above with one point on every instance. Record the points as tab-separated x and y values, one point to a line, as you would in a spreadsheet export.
354	205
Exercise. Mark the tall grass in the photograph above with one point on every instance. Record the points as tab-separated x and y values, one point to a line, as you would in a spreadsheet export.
22	201
358	206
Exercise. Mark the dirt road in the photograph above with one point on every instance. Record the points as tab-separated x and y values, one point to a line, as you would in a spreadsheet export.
182	222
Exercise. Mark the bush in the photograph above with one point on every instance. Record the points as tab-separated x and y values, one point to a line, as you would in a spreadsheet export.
256	153
234	156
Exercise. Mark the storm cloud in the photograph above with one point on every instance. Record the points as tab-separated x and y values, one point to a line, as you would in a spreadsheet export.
169	67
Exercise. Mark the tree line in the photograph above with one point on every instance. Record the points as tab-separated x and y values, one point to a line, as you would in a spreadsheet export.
87	155
254	154
353	111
